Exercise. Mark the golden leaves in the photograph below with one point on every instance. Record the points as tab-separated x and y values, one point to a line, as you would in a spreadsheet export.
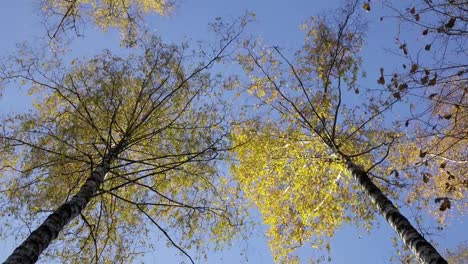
109	100
124	15
367	6
300	190
330	51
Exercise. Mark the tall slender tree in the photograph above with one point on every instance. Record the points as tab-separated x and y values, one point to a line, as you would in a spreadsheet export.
330	139
115	143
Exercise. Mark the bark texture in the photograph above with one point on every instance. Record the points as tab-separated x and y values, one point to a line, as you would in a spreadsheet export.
39	239
423	250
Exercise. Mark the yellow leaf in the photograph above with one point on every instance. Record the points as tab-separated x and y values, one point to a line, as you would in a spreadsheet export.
367	6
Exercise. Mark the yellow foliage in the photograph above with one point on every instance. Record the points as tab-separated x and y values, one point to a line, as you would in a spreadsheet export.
108	101
122	14
302	192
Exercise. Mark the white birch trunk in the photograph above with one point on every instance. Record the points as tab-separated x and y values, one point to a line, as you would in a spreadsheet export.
39	239
423	250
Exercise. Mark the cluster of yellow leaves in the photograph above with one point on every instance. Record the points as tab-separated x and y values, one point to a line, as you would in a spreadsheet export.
331	53
292	176
122	14
260	88
301	190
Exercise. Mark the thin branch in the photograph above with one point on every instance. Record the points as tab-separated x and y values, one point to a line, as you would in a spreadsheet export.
165	234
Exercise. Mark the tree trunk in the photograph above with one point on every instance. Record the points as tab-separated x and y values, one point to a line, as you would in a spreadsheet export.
39	239
423	250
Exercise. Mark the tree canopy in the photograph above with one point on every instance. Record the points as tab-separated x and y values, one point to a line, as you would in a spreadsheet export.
151	111
186	141
307	94
127	15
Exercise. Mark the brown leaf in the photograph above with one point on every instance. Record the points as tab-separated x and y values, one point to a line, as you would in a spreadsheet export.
443	165
427	47
422	154
403	86
445	204
447	116
414	68
397	95
425	32
450	188
424	79
426	177
450	23
433	81
404	48
451	176
417	17
381	80
433	95
413	10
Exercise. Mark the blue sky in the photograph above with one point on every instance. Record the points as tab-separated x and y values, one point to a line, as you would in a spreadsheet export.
278	23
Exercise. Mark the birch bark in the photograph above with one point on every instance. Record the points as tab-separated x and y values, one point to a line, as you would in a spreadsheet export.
423	250
40	239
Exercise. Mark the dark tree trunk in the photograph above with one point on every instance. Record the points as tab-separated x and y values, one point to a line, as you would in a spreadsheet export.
40	239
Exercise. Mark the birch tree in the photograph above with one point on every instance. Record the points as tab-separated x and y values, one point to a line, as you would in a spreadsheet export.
116	147
320	144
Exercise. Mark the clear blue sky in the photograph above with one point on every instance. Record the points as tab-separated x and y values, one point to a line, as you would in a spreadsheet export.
278	23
